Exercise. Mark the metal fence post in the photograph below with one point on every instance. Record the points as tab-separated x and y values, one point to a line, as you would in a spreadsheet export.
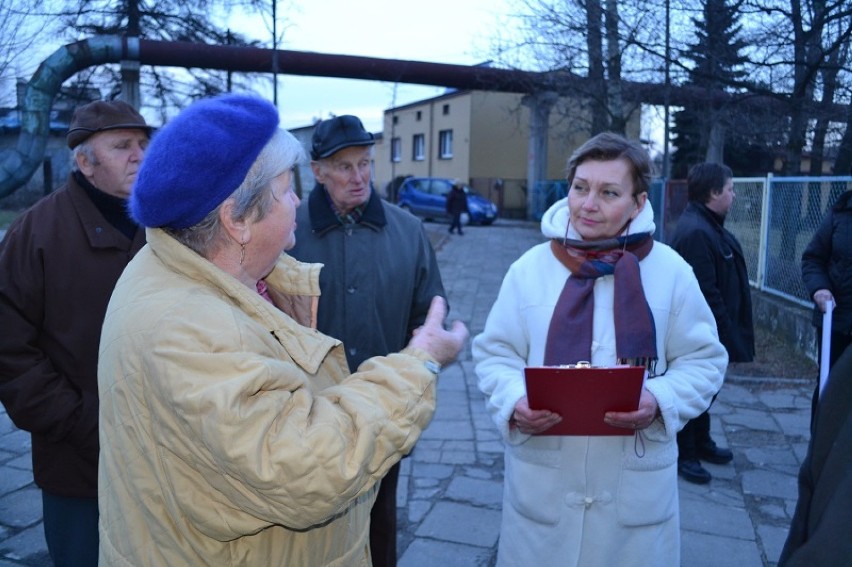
764	233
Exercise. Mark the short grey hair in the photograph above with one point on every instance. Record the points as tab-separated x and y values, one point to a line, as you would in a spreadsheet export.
252	199
85	147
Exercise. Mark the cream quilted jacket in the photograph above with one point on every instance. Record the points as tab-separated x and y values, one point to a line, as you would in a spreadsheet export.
230	433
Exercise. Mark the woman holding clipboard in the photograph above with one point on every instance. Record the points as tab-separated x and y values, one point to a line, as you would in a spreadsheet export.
600	290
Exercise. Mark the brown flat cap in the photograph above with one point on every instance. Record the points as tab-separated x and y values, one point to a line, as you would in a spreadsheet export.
103	115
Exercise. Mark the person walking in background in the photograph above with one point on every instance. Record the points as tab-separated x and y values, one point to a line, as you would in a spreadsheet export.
379	278
456	205
717	259
600	290
827	276
59	262
232	432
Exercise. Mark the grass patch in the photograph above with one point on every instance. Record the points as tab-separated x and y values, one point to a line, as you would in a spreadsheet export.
774	357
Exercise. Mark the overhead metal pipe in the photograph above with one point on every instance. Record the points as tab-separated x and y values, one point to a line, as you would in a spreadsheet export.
17	165
260	60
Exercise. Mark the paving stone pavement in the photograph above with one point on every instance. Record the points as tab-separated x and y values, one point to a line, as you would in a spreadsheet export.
451	485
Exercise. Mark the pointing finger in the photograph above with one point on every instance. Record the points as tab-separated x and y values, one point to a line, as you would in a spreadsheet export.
437	312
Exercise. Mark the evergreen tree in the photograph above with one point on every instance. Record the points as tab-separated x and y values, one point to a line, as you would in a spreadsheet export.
717	66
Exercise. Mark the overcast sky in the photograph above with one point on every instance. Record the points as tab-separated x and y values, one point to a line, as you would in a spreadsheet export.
438	31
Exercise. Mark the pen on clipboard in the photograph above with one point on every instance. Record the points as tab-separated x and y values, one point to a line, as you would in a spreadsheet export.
825	352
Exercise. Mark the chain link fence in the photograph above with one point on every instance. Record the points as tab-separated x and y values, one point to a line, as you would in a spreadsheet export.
774	218
545	193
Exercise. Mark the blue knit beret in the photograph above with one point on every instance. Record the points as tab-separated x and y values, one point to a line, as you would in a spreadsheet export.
199	158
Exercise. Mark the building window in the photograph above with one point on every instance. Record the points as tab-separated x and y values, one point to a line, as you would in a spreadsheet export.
396	119
419	115
446	109
419	149
396	150
445	141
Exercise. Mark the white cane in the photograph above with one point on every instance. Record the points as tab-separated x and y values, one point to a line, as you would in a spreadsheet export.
826	345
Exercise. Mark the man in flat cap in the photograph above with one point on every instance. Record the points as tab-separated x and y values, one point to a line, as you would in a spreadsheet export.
59	262
379	274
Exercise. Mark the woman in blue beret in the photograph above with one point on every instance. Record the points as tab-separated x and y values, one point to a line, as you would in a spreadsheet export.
231	431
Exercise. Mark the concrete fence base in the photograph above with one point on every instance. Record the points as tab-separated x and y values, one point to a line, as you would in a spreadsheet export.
790	322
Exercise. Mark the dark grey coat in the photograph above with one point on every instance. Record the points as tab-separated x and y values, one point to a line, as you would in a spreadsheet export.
821	526
379	274
827	263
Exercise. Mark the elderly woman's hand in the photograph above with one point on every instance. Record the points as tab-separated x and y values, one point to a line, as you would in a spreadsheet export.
532	421
442	344
639	419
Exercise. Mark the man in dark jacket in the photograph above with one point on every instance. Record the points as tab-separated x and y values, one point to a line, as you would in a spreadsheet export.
59	262
717	260
819	531
379	276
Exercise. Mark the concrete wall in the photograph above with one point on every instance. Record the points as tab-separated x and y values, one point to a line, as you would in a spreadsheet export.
789	321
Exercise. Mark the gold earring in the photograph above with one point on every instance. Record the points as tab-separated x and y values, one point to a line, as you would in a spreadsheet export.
242	252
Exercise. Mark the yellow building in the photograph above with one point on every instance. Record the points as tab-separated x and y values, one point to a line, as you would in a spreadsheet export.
480	137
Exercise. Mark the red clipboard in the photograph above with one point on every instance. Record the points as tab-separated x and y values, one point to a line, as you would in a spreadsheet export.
583	394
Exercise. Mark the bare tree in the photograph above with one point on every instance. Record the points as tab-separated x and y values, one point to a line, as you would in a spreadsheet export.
798	46
795	61
829	78
202	21
18	32
843	162
591	39
597	74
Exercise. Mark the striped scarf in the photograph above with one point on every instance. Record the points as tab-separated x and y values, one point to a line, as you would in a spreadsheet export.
569	338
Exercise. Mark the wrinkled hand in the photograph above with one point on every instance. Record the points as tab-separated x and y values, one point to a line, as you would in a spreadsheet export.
442	344
822	297
532	421
639	419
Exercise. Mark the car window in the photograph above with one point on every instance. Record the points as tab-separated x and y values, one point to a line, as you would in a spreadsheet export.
440	187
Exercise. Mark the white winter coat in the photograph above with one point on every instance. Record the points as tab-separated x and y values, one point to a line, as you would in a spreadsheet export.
609	500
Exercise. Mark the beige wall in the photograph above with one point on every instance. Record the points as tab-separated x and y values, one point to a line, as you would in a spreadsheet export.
500	135
490	142
426	118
